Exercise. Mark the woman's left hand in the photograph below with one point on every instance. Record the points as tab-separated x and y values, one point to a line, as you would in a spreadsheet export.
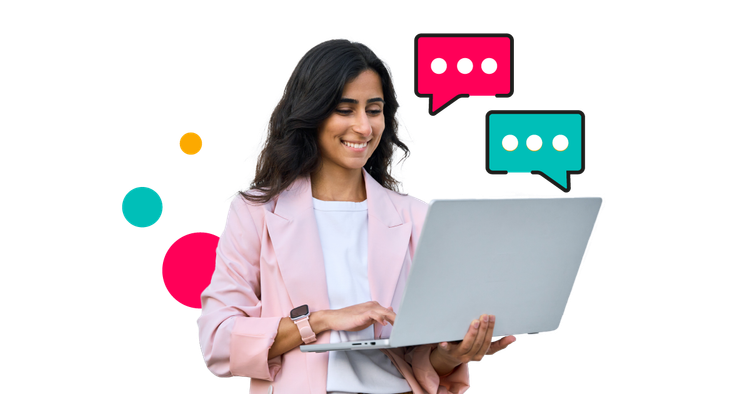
476	343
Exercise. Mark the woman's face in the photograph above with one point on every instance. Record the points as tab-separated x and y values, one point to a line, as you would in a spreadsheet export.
350	135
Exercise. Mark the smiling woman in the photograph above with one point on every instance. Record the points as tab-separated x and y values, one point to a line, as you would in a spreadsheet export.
320	245
314	101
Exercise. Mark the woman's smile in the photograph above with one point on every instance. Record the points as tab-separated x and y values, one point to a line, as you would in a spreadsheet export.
356	146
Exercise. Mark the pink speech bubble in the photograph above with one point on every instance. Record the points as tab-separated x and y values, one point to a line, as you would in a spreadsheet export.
450	66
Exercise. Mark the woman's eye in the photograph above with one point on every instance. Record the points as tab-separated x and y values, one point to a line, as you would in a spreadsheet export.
346	111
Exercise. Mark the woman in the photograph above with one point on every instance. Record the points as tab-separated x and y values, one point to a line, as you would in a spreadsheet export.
323	237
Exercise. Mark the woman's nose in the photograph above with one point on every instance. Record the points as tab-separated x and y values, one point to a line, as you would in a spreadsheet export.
362	125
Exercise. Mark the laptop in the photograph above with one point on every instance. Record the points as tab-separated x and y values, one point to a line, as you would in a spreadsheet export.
516	259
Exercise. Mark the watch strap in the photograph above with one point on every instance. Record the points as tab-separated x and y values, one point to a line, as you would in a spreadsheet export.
308	335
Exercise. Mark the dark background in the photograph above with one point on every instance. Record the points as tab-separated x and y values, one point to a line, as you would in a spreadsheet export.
223	84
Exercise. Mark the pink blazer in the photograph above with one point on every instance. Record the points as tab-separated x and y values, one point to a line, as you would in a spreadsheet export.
269	260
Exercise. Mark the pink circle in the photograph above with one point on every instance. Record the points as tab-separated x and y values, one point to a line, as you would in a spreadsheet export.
188	267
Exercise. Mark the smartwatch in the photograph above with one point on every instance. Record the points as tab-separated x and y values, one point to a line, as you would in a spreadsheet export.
300	316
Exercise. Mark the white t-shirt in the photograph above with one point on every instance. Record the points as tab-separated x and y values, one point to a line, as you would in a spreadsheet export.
342	226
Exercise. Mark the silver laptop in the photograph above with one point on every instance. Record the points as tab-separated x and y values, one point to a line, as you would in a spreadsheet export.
516	259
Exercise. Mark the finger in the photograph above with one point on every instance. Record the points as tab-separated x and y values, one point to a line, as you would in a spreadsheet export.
390	315
505	342
490	331
465	346
495	347
385	316
450	345
501	344
488	336
481	333
479	348
376	317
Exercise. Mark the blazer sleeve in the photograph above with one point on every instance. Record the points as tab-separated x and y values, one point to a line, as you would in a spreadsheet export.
234	338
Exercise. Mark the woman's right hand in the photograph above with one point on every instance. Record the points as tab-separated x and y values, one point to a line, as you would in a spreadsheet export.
358	317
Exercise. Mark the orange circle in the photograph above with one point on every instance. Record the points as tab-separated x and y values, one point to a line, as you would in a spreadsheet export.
191	143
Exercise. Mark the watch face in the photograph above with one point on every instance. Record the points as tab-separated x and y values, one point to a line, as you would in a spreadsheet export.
299	311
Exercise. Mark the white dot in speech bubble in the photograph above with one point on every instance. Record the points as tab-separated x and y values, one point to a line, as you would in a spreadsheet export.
438	66
489	65
510	142
465	66
534	143
560	143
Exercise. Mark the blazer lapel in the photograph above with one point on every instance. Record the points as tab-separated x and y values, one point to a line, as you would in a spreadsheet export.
294	235
388	240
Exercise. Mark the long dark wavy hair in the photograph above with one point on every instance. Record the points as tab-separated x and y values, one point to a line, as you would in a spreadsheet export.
310	97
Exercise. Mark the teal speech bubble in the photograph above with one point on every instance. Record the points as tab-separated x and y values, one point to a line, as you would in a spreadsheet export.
547	143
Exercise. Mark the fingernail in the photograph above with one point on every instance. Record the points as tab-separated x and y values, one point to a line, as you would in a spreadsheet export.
444	345
492	318
476	323
486	318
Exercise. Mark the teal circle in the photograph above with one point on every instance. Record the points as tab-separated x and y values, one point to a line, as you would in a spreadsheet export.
141	207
